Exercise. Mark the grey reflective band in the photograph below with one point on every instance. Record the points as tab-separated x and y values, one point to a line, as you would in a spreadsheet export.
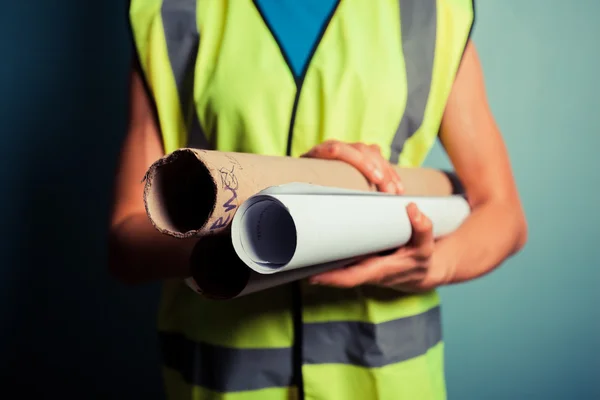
225	369
418	21
372	345
183	39
363	344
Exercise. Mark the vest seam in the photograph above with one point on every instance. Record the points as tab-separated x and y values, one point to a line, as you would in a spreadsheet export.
297	322
298	336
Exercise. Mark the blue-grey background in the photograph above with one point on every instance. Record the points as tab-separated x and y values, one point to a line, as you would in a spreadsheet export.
530	330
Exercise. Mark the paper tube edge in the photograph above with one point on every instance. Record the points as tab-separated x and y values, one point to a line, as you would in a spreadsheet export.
148	180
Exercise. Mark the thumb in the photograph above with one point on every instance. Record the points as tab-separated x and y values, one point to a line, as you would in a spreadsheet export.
422	235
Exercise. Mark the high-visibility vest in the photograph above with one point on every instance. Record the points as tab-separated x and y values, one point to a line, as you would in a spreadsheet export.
278	77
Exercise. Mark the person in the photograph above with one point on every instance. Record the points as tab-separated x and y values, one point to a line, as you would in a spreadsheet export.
370	83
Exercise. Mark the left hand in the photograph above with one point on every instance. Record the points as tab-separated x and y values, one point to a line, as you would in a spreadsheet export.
409	267
365	158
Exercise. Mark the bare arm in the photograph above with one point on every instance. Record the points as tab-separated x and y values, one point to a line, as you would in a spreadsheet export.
497	227
138	253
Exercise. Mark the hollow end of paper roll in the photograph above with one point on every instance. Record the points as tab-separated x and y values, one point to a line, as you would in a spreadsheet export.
222	281
180	194
218	272
269	234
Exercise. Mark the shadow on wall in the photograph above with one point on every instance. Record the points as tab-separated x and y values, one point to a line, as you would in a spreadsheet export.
66	327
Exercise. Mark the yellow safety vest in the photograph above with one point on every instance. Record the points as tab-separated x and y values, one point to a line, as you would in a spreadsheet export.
379	71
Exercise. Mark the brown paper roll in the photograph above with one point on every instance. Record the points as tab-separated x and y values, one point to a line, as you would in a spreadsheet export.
196	192
219	274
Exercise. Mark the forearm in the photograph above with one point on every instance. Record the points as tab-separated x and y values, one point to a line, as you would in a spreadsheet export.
493	232
138	253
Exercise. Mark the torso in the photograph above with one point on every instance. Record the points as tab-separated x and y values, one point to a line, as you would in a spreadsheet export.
277	77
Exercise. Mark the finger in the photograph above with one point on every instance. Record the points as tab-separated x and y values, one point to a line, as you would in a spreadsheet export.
375	147
411	287
388	270
390	169
334	150
422	235
390	181
412	275
373	157
395	178
369	270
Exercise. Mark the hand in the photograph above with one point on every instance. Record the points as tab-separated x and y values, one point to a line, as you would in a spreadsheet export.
365	158
407	269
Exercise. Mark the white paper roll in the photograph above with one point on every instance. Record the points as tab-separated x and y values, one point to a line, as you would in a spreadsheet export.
300	225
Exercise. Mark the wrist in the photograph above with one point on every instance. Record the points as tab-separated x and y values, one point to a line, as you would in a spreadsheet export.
442	270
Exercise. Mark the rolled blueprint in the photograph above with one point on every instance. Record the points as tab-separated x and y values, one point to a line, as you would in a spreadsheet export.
197	192
297	225
294	231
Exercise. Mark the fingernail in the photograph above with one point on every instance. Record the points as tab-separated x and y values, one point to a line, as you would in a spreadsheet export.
417	215
313	281
377	173
399	187
390	187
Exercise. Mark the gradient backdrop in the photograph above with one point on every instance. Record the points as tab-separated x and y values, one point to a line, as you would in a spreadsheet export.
528	331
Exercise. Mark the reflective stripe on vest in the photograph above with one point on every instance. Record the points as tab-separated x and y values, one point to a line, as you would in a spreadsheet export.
418	43
385	82
224	369
182	40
